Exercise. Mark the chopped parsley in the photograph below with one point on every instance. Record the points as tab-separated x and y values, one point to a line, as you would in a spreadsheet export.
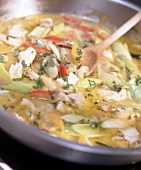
65	78
55	104
97	125
41	71
117	87
24	64
129	72
135	116
5	107
135	110
52	62
138	80
38	115
93	84
16	53
2	58
79	52
90	95
116	111
39	84
35	124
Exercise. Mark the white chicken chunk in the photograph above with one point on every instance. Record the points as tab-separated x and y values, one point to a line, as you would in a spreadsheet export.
15	71
14	41
112	95
27	56
15	35
17	31
131	134
72	79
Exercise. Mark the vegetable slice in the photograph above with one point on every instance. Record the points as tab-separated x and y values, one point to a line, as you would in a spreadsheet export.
57	29
5	78
112	80
87	130
41	94
63	71
135	93
20	86
120	49
73	118
38	49
40	31
89	83
54	39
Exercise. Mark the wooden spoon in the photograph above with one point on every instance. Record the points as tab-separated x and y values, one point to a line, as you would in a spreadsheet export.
93	53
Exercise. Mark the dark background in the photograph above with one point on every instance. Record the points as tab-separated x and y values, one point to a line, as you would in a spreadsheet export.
138	2
20	157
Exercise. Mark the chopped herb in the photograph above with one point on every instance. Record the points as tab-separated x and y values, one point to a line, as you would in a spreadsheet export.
5	107
39	83
93	84
97	125
55	104
123	108
115	111
2	58
52	97
12	107
79	52
38	115
90	95
68	63
138	80
65	78
92	41
129	72
67	86
135	110
135	116
52	62
41	71
88	90
121	67
16	53
35	124
24	64
78	59
46	64
117	87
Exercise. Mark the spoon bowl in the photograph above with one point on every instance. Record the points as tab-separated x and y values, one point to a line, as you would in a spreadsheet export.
93	54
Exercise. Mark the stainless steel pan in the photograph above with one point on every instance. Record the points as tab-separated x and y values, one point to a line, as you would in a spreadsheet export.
118	11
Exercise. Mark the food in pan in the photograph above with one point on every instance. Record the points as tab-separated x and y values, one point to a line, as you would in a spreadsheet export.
43	84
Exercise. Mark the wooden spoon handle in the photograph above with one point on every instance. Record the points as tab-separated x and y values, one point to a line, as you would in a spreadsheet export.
120	31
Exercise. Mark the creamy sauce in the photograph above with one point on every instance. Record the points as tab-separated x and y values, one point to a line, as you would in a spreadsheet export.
43	84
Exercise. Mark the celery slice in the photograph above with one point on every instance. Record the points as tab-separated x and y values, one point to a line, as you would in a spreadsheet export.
120	49
4	76
127	62
20	86
87	130
40	31
89	83
135	93
110	80
57	29
74	118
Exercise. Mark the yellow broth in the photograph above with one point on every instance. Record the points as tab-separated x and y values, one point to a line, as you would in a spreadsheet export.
43	84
